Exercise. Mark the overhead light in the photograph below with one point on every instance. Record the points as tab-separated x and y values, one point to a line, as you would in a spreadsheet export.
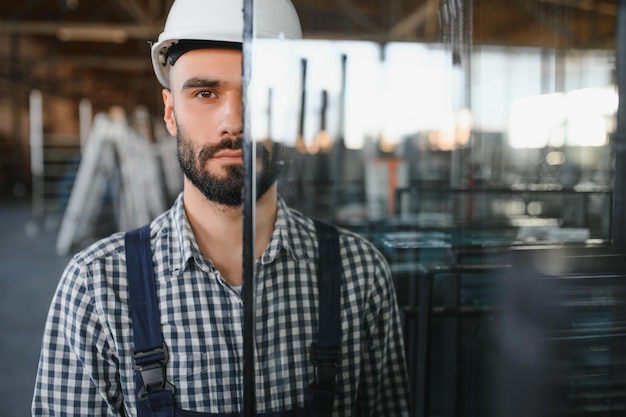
92	34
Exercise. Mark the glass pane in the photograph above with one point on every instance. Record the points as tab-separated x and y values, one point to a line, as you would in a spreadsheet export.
447	133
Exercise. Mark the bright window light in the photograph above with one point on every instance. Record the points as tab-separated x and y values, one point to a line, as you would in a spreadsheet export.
581	117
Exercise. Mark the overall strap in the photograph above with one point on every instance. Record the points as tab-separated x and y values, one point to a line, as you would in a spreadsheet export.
155	396
325	353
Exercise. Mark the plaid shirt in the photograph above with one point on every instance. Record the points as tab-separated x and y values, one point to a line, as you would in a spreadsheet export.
86	363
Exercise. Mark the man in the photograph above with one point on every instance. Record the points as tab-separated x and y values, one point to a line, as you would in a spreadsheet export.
90	359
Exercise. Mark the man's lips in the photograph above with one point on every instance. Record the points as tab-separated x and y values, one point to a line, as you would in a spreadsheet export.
228	154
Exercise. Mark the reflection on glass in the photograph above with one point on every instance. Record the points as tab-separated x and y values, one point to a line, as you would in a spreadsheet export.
384	131
473	129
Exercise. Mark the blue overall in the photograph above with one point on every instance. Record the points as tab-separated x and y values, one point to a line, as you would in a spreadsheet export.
155	395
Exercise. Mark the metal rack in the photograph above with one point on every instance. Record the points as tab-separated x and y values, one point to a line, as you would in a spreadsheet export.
497	323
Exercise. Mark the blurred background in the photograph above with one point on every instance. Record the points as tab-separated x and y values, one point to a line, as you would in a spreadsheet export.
478	143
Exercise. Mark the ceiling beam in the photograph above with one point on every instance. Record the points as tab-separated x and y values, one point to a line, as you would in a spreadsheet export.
105	32
357	15
405	29
139	12
597	6
117	63
547	22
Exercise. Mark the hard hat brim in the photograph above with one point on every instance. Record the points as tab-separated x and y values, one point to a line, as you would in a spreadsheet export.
187	20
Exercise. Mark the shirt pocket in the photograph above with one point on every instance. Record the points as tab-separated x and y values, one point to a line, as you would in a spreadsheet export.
193	376
185	367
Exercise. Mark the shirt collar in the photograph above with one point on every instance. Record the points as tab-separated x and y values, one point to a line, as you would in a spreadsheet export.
280	235
183	240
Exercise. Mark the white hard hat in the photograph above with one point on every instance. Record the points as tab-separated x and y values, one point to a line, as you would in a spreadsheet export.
221	21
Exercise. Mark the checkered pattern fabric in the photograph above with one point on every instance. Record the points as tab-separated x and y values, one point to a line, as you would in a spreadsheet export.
86	364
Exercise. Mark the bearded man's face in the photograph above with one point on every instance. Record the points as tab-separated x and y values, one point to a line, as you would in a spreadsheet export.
225	188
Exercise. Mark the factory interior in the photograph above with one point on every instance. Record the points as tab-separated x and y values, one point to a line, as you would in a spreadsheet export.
486	160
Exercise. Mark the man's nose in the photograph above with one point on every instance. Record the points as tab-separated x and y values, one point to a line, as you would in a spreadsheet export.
232	122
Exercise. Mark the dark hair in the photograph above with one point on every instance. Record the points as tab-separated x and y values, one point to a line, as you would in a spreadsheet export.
185	45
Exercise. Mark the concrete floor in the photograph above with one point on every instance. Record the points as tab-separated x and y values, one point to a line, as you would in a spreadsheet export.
29	272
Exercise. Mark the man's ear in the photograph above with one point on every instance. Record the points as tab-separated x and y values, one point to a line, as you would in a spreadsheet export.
168	115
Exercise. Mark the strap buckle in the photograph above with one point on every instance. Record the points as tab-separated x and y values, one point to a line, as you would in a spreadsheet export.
151	367
325	361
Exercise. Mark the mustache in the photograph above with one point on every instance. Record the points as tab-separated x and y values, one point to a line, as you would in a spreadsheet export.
274	156
208	151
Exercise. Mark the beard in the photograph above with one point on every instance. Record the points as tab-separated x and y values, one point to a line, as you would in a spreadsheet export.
226	188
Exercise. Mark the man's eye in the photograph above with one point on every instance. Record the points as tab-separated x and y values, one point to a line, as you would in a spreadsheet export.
206	94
